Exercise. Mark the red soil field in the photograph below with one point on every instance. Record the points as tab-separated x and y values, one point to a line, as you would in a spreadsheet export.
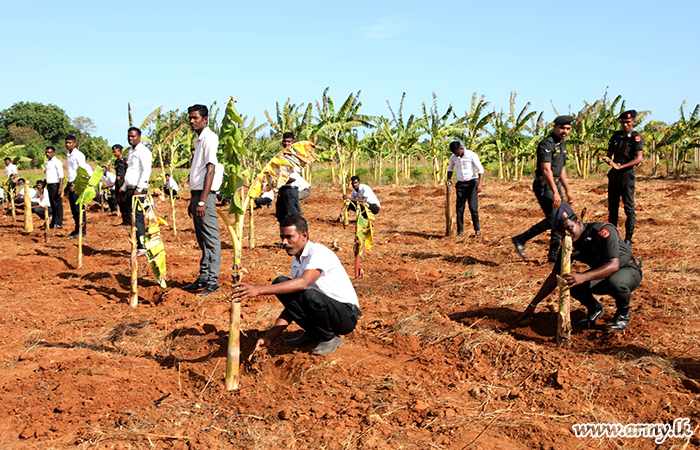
437	361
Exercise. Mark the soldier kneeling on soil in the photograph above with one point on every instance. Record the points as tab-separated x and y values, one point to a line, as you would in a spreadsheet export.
613	269
319	296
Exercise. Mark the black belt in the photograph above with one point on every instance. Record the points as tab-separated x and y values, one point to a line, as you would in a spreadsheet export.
556	179
470	181
199	192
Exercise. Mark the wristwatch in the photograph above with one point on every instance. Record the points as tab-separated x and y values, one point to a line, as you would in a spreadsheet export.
201	204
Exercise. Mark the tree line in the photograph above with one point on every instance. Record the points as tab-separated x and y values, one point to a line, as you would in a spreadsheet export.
389	146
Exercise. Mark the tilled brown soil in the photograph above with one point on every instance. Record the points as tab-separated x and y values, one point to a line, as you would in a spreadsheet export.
437	360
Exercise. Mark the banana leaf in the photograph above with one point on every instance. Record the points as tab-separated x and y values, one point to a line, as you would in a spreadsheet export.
85	184
277	171
153	242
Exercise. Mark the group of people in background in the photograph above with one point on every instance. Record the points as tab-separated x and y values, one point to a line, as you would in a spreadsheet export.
319	295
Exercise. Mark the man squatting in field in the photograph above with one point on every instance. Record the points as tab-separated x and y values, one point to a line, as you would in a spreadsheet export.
470	177
364	194
550	176
138	173
319	296
613	269
626	149
202	207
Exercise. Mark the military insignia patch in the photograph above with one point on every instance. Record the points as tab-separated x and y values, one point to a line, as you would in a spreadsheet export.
604	233
637	138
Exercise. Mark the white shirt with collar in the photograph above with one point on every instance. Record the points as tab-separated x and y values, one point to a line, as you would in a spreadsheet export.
468	166
365	191
42	200
172	184
10	170
205	147
299	182
20	192
334	280
138	169
74	160
109	178
53	170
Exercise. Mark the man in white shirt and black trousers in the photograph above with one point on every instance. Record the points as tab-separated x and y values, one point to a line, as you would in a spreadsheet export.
470	177
53	173
319	296
75	159
203	202
136	181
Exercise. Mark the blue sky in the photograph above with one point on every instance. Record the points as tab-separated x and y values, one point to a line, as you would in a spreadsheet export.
91	58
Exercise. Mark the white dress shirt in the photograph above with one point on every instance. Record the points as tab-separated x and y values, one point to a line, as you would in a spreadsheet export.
205	147
138	169
334	280
468	166
299	182
20	192
172	184
109	178
10	170
365	191
42	200
53	170
74	160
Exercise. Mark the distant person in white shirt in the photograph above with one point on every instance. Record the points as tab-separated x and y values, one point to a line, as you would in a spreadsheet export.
19	198
301	184
53	174
318	296
265	198
12	173
288	195
170	185
363	194
138	172
40	200
74	160
109	181
470	177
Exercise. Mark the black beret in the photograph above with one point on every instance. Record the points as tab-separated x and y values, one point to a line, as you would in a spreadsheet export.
117	146
455	145
563	120
563	213
631	114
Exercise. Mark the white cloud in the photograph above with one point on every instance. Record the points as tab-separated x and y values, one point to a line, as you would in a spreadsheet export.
385	28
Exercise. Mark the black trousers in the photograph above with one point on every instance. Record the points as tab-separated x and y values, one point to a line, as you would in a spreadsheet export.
287	203
140	224
40	211
621	185
260	202
466	193
545	197
318	314
618	285
56	203
372	207
74	210
166	191
126	211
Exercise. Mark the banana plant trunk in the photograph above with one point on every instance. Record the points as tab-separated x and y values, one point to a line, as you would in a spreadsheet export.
251	230
81	208
564	317
12	204
28	224
134	298
450	209
46	225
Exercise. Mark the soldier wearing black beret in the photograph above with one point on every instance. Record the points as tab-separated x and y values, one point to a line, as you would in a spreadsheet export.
550	177
613	269
626	150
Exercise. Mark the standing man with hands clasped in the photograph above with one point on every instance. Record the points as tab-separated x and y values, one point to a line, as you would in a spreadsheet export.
319	296
75	159
470	181
203	202
136	179
550	177
626	150
53	173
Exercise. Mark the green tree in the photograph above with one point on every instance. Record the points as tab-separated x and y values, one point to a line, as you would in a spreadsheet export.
51	122
438	128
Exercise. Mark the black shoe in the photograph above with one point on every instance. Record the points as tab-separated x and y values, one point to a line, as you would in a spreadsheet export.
125	224
519	247
198	284
301	341
628	243
590	318
209	289
74	235
619	322
460	234
328	347
478	233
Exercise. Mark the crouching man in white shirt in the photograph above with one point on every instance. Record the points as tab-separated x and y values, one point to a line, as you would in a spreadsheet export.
319	296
